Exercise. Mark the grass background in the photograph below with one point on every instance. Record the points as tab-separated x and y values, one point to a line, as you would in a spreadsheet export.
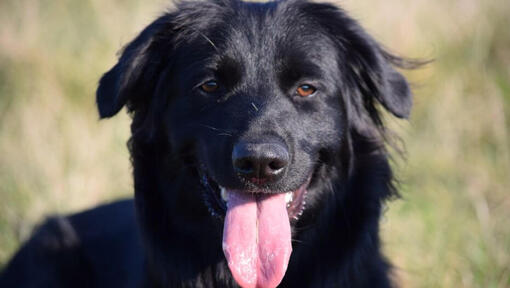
450	229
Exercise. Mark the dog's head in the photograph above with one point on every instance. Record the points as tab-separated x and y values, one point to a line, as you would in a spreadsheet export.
266	97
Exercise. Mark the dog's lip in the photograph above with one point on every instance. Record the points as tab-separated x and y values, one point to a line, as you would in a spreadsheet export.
296	199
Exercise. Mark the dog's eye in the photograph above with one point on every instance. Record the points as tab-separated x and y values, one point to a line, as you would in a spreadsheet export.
306	90
209	86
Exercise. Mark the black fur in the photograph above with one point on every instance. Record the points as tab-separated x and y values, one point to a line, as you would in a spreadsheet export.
259	53
95	248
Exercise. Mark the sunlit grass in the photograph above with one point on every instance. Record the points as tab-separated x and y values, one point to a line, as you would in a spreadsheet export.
450	229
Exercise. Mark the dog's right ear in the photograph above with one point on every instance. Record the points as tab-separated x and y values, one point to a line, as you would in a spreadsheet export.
133	79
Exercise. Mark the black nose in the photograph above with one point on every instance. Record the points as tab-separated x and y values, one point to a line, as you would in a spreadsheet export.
260	162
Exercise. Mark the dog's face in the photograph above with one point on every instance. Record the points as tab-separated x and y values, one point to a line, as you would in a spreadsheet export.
266	97
259	104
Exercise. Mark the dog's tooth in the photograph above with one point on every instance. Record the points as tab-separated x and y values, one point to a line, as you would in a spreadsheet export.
288	197
224	195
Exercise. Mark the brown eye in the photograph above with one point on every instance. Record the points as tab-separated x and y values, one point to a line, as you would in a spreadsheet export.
209	86
305	90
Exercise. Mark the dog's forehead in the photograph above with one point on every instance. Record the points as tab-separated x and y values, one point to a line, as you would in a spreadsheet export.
261	35
271	32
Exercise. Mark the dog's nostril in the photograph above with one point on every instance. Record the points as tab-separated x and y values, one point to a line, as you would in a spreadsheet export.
277	164
244	165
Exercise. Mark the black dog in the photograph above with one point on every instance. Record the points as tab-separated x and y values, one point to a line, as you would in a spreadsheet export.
258	152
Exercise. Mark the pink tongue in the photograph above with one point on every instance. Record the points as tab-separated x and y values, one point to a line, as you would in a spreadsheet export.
256	238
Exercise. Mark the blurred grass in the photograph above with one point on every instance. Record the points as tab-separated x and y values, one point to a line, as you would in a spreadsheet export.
450	229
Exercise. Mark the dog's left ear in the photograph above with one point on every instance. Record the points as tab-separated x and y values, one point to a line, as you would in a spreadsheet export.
371	70
134	78
368	69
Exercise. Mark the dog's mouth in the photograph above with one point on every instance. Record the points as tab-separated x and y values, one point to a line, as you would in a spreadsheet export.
257	229
216	198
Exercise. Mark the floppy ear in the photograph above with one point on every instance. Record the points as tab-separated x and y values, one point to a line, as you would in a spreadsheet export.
371	71
134	78
368	70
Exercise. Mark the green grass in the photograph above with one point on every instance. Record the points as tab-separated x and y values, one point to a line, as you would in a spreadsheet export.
450	229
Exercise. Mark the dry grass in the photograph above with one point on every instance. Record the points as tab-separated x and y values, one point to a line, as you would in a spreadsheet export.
450	229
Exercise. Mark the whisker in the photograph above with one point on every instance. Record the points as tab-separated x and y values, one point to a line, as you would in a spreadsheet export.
223	132
297	241
208	40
